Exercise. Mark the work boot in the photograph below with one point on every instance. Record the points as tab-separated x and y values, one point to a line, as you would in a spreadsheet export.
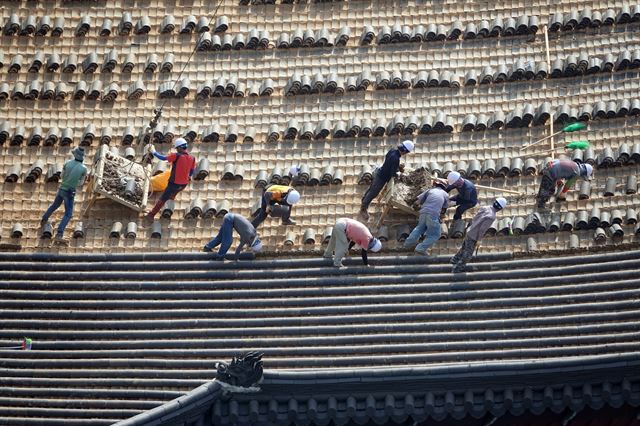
43	222
289	222
364	214
207	249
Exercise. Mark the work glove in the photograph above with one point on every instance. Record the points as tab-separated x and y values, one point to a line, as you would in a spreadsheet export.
452	203
401	168
151	149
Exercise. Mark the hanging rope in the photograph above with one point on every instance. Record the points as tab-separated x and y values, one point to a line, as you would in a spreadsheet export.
158	111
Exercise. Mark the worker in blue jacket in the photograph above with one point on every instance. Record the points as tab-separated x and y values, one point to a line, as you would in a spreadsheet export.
467	193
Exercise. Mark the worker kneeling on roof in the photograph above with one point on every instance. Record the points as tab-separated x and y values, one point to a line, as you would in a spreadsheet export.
281	195
433	204
346	233
558	177
476	230
384	174
467	194
244	228
183	165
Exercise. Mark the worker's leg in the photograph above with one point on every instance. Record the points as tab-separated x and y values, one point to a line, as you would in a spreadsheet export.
57	202
226	234
432	234
262	213
168	194
372	192
328	252
466	253
342	243
417	232
547	189
215	242
68	196
461	209
286	217
456	257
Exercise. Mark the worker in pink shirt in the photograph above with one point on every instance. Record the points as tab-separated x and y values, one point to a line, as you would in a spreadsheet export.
346	233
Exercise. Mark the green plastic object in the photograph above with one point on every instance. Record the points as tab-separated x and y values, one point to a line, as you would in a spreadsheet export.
577	145
574	127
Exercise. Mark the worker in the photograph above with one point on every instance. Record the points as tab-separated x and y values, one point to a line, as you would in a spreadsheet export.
384	174
183	167
434	202
244	228
467	196
346	233
281	195
558	177
476	230
74	174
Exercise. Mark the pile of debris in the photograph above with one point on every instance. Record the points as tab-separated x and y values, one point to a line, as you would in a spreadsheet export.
123	179
411	184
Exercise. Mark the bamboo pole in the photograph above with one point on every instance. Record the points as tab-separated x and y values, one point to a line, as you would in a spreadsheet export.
492	188
546	45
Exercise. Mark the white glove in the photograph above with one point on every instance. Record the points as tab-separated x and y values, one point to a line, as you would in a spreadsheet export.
151	149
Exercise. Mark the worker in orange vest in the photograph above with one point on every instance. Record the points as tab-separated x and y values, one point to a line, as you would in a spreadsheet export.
277	195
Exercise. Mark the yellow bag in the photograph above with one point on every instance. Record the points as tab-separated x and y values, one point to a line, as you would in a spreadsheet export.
160	181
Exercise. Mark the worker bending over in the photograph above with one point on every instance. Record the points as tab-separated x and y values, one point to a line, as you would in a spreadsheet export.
384	174
434	202
558	177
277	195
346	233
467	194
476	230
73	176
183	165
244	228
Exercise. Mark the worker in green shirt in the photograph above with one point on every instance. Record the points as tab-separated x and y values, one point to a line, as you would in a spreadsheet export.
73	175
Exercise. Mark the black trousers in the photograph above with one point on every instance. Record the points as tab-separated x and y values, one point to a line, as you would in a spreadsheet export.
374	189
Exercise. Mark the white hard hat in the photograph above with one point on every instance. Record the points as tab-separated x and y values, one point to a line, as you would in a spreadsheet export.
453	177
408	145
179	142
500	201
294	170
293	197
256	245
589	169
375	245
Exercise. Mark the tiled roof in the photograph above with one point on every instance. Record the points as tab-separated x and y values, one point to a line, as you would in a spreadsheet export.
114	335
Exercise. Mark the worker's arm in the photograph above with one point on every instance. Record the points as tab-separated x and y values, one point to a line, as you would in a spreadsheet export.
152	149
365	260
193	168
238	250
363	253
159	156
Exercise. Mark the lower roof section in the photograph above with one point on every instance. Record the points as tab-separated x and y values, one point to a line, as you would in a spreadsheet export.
396	395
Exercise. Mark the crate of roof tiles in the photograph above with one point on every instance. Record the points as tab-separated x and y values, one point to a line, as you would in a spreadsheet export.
119	179
400	193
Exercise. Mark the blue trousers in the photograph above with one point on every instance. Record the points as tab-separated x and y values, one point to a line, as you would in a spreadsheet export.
429	227
65	196
224	237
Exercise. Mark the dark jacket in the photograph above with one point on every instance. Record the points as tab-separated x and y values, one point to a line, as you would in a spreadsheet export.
391	165
467	194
